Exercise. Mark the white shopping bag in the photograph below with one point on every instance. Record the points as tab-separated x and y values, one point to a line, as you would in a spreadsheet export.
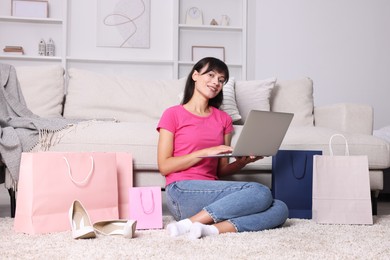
341	188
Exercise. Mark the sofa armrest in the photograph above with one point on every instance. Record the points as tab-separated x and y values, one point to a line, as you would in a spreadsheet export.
346	117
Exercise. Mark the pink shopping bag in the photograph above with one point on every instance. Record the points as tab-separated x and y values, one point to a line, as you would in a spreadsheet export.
49	182
125	181
146	207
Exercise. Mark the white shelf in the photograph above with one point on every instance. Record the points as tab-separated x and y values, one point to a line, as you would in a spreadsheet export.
209	28
125	61
193	63
29	57
30	20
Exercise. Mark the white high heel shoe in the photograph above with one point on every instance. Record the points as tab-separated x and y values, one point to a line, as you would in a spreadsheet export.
122	227
80	222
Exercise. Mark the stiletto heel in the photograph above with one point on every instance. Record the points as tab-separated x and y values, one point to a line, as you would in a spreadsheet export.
80	222
122	227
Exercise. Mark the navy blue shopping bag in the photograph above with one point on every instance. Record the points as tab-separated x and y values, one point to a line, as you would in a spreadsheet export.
292	181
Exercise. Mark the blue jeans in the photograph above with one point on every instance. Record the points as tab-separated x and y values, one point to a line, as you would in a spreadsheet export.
249	206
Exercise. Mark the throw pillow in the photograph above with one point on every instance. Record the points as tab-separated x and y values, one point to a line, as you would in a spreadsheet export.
253	94
229	104
42	88
294	96
94	95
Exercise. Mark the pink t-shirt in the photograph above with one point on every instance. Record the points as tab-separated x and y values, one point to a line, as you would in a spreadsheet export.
192	133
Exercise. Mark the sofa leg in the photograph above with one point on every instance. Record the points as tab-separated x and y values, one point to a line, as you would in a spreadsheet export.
12	195
374	203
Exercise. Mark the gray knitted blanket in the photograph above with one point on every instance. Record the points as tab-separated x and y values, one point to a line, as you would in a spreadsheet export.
20	129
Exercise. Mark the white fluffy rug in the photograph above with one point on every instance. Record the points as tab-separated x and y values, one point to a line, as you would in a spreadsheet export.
297	239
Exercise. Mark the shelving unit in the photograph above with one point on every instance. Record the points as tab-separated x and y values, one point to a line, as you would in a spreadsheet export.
232	37
27	32
69	30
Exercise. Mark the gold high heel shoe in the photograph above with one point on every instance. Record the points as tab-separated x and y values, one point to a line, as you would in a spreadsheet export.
122	227
80	222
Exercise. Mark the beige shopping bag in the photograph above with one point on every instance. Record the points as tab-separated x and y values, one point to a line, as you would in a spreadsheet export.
341	188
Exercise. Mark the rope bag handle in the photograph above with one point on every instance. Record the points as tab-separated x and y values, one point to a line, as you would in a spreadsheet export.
147	211
83	182
346	144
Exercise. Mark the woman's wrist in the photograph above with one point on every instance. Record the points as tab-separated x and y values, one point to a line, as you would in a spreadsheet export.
240	164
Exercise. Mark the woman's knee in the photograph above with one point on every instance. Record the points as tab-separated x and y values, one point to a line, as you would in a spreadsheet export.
262	194
261	190
281	210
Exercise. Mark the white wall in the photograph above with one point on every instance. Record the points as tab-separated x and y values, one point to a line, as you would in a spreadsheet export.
344	46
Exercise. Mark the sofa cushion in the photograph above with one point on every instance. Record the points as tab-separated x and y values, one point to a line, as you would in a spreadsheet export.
253	94
346	117
42	88
92	95
294	96
229	104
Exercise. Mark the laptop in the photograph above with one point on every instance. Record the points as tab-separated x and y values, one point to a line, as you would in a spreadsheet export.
261	135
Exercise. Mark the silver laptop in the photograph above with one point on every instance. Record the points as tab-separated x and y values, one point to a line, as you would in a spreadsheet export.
262	134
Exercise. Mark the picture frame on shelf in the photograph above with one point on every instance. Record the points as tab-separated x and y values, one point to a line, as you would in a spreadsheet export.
199	52
30	8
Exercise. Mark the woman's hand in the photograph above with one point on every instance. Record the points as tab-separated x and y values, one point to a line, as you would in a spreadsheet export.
244	160
220	149
240	162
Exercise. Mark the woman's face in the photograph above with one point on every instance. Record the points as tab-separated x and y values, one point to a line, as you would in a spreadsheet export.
208	84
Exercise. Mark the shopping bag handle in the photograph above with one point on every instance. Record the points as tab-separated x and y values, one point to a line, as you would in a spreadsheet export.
142	203
86	178
346	144
299	167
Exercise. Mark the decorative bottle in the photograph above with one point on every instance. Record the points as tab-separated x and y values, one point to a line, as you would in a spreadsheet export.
50	48
42	48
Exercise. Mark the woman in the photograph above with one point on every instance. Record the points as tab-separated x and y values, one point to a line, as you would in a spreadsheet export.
202	204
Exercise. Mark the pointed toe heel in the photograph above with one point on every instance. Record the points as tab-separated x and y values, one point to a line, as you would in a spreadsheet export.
125	228
80	222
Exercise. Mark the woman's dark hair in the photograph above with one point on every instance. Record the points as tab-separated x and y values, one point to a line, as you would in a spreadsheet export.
212	64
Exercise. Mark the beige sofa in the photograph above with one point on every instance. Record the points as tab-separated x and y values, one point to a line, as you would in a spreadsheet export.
130	109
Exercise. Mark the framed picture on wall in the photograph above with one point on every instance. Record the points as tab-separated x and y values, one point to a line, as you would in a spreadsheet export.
123	23
199	52
30	8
